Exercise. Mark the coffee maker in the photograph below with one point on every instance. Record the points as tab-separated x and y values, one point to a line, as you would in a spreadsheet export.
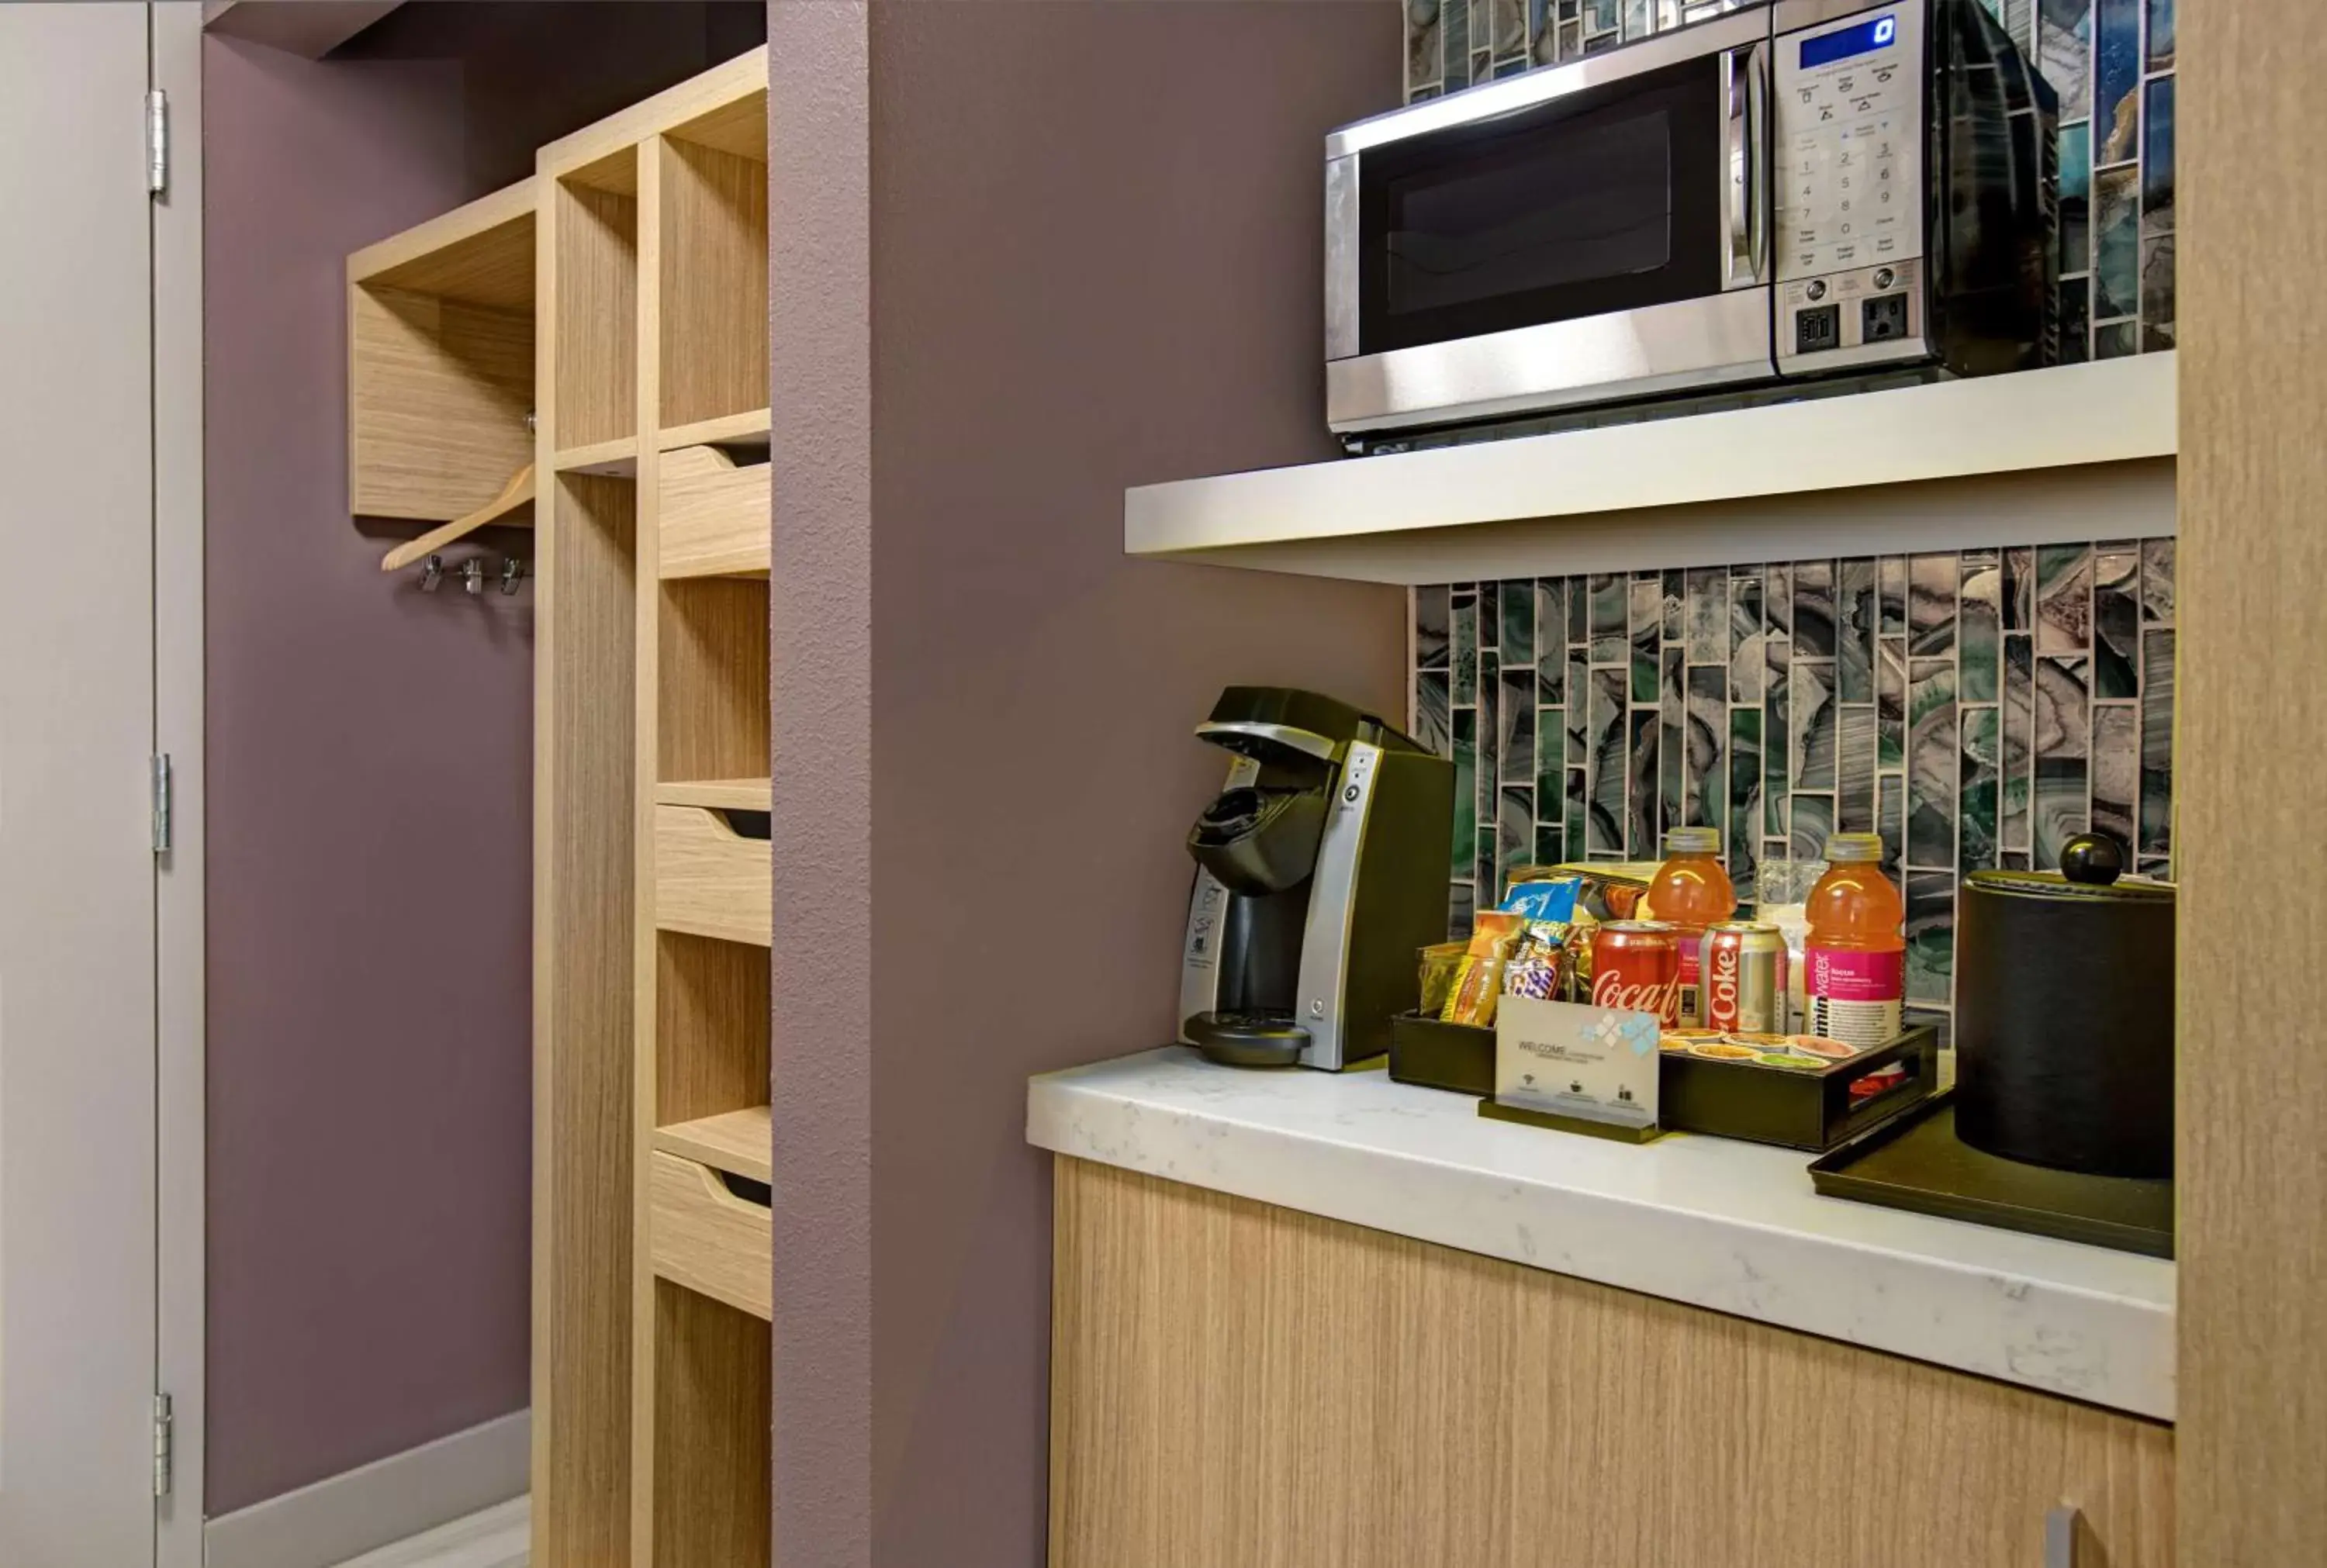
1321	868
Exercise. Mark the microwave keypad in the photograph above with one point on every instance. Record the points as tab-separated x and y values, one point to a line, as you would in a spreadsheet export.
1849	172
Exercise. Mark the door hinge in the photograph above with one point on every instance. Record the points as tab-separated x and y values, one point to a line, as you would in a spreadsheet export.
165	1443
157	141
161	782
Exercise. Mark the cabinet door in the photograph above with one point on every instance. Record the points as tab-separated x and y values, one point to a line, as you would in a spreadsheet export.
1235	1384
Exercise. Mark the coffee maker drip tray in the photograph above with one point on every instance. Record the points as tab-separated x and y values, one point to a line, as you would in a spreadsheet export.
1265	1038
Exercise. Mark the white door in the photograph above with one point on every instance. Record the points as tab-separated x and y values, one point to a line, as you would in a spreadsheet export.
77	719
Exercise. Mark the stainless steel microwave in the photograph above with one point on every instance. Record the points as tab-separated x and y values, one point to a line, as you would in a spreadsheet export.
1783	192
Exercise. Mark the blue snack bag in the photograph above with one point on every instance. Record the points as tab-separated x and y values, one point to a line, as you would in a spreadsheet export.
1542	903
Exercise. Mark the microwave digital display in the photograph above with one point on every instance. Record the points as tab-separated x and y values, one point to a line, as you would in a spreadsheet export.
1865	37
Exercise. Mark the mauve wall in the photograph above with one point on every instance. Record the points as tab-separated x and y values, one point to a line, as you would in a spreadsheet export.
370	1051
820	616
1095	261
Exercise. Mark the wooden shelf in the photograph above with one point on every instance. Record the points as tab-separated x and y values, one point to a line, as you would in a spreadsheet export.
728	430
737	1141
1768	484
441	360
719	794
481	253
617	459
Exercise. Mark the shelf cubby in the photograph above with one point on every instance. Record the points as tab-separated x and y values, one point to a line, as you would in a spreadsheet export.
597	233
712	701
713	270
710	1031
712	1508
441	362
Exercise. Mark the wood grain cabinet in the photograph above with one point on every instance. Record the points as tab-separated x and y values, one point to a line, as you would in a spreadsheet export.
1236	1386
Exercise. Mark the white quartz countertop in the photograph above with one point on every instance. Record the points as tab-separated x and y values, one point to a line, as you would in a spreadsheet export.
1732	1226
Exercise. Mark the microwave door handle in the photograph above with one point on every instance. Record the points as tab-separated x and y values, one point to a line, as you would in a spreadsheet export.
1761	190
1744	75
1736	116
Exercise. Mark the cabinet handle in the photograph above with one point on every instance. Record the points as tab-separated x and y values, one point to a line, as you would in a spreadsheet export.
2063	1527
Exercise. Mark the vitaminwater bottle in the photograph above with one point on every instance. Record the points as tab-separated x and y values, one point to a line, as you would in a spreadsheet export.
1691	891
1855	961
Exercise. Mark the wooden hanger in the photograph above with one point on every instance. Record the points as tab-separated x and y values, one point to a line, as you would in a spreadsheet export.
518	493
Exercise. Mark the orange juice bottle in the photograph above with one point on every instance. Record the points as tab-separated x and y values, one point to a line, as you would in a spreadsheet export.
1690	892
1854	960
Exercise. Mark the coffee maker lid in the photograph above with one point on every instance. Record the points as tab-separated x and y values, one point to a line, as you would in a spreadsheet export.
1285	723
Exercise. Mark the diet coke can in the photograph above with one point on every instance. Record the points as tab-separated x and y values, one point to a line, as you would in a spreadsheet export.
1636	968
1743	970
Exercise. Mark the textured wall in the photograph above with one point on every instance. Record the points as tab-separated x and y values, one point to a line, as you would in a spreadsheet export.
1080	277
1083	277
820	627
369	1025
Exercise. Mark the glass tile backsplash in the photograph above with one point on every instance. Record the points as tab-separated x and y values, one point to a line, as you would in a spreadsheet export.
1977	709
2111	61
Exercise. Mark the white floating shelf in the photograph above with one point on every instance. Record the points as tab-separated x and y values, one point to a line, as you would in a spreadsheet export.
2074	452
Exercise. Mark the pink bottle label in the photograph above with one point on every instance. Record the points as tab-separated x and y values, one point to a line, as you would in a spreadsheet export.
1854	996
1846	975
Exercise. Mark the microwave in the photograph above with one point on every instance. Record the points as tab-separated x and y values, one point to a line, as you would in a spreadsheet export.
1788	192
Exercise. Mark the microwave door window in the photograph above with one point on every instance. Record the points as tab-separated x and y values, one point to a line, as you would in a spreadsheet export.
1545	213
1609	200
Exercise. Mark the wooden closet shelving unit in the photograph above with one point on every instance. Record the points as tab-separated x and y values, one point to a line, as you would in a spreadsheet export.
620	297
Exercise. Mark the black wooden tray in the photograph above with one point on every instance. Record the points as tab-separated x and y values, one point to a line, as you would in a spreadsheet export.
1917	1162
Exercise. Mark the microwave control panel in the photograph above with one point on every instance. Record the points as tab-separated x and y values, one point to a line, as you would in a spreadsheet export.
1846	137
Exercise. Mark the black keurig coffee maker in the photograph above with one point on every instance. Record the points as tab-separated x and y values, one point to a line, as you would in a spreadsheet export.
1321	868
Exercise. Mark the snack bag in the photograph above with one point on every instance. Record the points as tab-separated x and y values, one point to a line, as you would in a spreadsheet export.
1479	984
1539	969
1552	900
1439	964
1551	904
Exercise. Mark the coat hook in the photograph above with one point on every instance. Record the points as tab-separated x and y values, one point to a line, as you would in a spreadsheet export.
432	573
512	574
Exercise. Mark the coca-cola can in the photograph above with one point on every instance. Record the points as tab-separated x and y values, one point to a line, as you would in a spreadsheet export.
1636	968
1741	977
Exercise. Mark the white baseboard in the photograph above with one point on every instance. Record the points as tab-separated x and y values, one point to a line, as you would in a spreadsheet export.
499	1537
378	1504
